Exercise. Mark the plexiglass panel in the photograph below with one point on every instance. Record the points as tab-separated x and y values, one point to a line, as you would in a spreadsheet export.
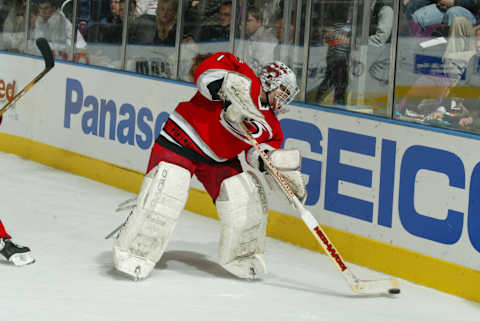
206	30
100	23
12	26
52	20
437	64
151	40
270	31
350	54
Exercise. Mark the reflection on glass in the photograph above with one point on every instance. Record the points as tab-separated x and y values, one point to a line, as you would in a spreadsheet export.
350	55
12	36
437	67
290	35
259	42
151	43
206	31
262	37
370	61
101	23
49	21
330	51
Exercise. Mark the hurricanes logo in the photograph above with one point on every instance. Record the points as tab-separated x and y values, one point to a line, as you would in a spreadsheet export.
256	128
253	128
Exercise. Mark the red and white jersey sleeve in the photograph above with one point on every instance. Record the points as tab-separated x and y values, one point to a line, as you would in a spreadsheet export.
202	117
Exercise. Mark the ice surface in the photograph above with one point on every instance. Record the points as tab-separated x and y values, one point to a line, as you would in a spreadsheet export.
63	218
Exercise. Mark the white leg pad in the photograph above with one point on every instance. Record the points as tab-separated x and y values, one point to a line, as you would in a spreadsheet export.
242	208
145	235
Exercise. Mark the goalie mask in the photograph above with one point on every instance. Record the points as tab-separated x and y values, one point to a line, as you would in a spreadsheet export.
278	78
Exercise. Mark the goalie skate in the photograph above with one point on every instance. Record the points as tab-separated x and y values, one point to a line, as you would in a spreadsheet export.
17	254
250	267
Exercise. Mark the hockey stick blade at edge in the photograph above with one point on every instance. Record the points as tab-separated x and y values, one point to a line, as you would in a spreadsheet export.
42	45
372	287
386	286
368	287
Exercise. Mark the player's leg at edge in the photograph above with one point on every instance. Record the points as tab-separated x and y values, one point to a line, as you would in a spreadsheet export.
243	211
145	235
17	254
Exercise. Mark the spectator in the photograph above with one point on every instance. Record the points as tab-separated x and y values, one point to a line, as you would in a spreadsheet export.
472	120
337	36
166	22
52	25
222	30
460	49
443	12
285	50
410	6
261	41
201	12
146	15
381	23
14	27
111	29
164	29
380	31
279	22
459	66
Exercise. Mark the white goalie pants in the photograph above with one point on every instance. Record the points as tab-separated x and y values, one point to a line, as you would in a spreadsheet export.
145	235
242	208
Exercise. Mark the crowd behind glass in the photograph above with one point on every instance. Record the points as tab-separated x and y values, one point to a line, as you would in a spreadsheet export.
414	60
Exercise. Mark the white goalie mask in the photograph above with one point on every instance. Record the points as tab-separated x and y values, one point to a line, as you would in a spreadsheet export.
277	75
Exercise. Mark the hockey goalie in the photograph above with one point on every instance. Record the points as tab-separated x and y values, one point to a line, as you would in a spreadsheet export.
203	137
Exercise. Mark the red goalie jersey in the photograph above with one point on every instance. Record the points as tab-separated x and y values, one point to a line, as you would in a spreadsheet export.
199	125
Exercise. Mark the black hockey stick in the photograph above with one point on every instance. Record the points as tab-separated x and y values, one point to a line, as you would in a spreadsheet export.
44	48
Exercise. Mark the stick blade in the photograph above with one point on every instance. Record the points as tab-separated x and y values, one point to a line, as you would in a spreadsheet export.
385	286
43	46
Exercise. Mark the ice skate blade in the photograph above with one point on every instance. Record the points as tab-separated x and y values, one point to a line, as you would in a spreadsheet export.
22	259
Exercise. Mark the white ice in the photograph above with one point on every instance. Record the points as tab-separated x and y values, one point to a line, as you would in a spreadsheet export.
63	218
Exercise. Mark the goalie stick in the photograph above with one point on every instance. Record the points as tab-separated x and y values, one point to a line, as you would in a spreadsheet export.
383	286
42	45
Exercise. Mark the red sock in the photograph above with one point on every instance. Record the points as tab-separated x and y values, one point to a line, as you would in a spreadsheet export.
3	233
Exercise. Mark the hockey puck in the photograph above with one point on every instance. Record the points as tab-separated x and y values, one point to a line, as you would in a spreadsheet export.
394	291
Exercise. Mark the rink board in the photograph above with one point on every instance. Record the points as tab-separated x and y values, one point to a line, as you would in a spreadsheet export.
394	197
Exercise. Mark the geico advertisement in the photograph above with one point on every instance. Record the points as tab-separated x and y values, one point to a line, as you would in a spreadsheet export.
414	188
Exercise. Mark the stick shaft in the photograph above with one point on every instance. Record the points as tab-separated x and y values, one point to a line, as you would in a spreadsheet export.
23	91
306	216
46	52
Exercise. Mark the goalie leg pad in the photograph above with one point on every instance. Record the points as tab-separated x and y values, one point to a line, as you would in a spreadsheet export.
145	234
243	211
